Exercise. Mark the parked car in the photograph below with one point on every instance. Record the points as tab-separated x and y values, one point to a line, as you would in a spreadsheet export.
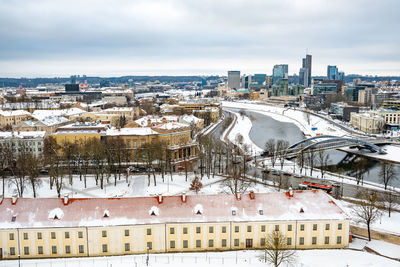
44	171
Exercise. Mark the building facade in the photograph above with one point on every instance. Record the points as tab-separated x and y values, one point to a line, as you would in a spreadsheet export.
19	142
234	79
118	226
367	122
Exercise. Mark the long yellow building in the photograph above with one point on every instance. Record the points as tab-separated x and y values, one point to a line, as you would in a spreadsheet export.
44	228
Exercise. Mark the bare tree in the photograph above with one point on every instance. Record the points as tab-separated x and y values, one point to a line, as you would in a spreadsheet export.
367	211
33	165
271	147
387	173
281	150
277	251
311	159
390	199
323	161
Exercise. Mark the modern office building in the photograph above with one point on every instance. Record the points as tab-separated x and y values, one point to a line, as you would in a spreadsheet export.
234	79
258	80
332	73
280	72
305	71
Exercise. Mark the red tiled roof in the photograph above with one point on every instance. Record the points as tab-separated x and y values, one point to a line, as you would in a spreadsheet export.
34	213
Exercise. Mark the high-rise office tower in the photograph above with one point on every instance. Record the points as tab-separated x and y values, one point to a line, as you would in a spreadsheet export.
234	79
306	70
280	72
332	73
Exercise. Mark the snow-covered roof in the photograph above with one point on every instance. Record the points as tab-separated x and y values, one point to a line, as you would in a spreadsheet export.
9	113
22	134
155	119
170	126
130	131
40	114
189	119
119	109
31	213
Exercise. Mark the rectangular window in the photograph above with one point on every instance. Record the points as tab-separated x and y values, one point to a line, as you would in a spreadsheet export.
248	228
289	227
236	242
314	227
198	230
327	226
53	235
126	232
81	249
211	229
185	230
11	236
12	251
198	243
301	242
40	250
148	231
262	228
210	243
172	230
25	236
185	244
224	229
339	240
223	243
301	227
262	241
326	240
26	250
314	240
54	249
105	248
149	245
39	235
236	229
172	244
261	212
104	233
80	234
276	227
67	249
127	246
66	235
339	226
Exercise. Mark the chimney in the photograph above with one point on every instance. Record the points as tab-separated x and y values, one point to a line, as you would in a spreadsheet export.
290	192
14	199
66	199
149	123
160	199
164	120
238	196
252	195
183	197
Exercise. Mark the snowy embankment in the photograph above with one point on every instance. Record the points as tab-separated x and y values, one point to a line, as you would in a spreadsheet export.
304	121
304	258
242	126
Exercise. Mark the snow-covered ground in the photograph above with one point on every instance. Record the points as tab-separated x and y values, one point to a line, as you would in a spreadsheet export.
243	126
137	186
304	258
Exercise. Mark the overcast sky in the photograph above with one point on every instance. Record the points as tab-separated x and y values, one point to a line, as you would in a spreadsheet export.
181	37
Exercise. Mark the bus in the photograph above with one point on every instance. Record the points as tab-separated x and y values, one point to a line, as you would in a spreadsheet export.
310	186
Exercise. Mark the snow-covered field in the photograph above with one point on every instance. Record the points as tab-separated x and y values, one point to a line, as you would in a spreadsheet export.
137	186
304	258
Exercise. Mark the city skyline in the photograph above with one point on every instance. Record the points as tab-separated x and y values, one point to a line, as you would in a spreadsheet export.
47	39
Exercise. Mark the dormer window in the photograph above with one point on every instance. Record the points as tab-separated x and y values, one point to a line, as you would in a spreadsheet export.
14	218
233	212
198	209
153	211
106	214
261	212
